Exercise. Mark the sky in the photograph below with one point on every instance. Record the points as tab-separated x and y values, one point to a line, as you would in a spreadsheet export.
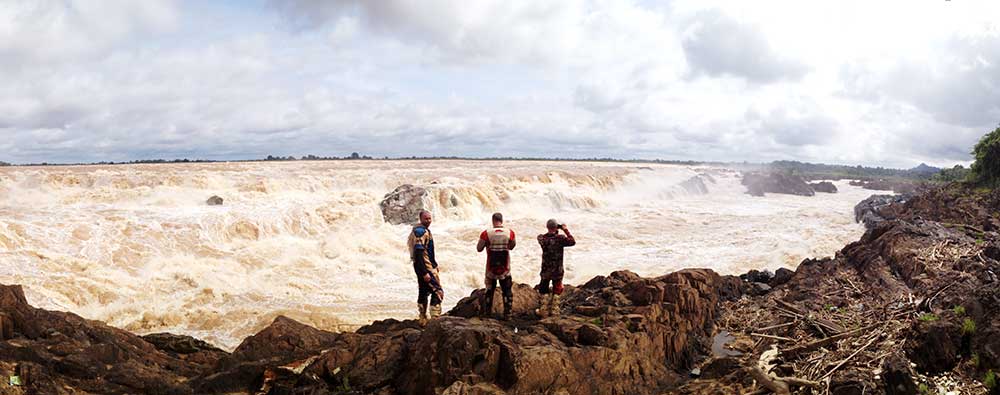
880	83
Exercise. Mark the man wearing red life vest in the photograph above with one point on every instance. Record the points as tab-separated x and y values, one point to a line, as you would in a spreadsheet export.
498	241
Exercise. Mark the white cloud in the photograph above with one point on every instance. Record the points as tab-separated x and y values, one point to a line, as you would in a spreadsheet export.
709	79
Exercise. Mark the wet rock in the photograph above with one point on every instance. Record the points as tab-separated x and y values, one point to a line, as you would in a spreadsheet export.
896	376
757	276
760	183
824	187
403	205
868	211
214	201
781	277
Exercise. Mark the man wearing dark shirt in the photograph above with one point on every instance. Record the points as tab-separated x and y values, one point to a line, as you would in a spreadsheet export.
552	244
421	247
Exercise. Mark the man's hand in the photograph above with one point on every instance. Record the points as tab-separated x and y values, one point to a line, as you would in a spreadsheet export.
427	277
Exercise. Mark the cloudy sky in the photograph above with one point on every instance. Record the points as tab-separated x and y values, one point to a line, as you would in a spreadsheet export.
890	83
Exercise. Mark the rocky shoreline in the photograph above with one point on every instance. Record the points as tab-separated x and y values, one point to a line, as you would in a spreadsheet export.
910	307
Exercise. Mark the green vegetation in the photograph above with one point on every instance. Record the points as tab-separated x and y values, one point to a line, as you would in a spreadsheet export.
345	387
974	360
986	168
924	389
928	317
597	321
959	310
815	171
957	173
990	380
968	327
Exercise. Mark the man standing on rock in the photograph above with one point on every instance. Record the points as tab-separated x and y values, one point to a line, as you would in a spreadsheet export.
421	246
498	241
552	265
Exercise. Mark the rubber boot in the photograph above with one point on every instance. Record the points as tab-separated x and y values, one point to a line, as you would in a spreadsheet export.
543	309
554	305
422	308
435	311
486	305
508	303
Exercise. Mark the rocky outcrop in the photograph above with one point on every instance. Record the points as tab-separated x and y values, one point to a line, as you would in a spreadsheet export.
868	211
918	290
620	334
214	201
760	183
824	187
403	204
638	336
63	351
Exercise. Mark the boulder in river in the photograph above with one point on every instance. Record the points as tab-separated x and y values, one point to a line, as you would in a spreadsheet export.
214	201
403	205
824	186
775	182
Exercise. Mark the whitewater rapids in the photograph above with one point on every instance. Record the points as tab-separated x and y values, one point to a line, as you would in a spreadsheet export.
137	247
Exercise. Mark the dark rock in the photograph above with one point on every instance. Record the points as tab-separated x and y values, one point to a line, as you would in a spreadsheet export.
757	276
868	210
64	350
935	346
897	377
758	289
214	201
849	383
760	183
282	342
526	301
720	367
403	205
591	335
824	186
781	277
179	344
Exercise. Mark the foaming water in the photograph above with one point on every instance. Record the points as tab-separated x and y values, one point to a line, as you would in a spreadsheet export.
137	247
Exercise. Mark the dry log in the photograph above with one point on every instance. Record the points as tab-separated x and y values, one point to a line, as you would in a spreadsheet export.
794	351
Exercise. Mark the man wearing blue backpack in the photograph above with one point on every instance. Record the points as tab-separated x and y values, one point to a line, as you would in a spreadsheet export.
421	247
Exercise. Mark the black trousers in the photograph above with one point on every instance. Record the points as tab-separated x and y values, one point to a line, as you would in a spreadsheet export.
428	289
506	288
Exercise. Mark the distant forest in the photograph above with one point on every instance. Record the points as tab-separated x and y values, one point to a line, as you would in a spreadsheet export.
808	170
